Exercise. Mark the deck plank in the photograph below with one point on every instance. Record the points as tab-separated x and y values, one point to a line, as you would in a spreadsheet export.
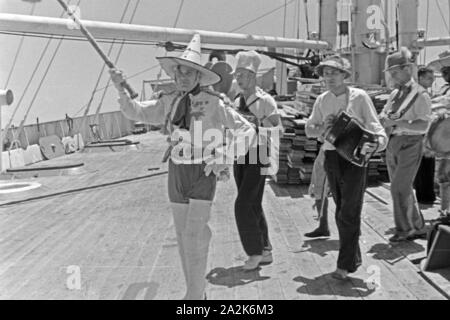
123	239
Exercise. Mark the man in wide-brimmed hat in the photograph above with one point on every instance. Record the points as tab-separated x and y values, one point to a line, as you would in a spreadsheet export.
190	114
346	180
442	65
406	117
259	108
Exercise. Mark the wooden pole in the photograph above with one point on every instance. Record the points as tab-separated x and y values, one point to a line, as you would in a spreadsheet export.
97	48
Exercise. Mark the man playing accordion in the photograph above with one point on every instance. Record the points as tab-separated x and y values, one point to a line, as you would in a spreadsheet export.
346	180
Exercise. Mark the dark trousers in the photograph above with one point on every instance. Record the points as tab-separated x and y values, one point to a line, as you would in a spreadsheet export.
347	184
424	181
250	219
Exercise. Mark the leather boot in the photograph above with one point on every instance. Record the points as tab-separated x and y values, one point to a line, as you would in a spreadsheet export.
196	239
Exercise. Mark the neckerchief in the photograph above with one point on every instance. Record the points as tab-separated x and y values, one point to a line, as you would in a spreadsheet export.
244	109
182	116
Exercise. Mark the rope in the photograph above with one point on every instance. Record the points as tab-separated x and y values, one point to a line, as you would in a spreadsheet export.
100	75
426	31
44	51
284	19
98	186
81	38
178	14
115	63
127	78
260	17
159	75
42	81
18	51
305	6
442	16
39	87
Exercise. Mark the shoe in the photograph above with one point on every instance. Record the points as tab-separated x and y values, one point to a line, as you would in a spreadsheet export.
318	233
340	274
397	238
252	263
414	235
266	258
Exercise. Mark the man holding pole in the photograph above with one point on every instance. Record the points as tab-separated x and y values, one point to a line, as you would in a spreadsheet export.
188	113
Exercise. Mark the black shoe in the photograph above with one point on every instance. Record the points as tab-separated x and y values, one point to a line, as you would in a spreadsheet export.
318	233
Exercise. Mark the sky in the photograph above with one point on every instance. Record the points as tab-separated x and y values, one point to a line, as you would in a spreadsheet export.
72	76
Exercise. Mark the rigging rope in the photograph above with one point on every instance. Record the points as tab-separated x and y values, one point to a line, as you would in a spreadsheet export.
284	19
260	17
115	63
100	75
178	14
42	81
305	6
426	31
81	38
36	67
442	16
127	78
159	75
18	50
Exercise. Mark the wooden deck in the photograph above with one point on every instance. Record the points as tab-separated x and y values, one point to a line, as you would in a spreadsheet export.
110	220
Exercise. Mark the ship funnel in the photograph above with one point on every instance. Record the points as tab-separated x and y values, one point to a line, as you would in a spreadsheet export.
6	97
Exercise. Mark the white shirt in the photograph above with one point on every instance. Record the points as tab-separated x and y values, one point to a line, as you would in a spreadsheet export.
356	103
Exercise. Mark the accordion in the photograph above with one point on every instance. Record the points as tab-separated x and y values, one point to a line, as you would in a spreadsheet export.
348	137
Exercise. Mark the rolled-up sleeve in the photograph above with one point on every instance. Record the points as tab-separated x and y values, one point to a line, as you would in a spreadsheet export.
151	112
316	119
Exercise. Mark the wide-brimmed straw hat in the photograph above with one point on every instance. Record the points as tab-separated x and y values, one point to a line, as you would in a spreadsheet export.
190	58
398	59
442	62
336	62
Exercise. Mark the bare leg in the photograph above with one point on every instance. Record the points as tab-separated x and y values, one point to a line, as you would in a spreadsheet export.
322	230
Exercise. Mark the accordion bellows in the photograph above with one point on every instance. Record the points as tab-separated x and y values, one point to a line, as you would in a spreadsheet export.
348	136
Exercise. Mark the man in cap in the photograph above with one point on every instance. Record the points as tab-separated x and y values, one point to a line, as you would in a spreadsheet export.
260	109
406	117
347	181
441	109
190	114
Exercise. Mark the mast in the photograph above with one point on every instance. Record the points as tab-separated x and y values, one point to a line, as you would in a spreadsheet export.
408	23
366	28
328	22
143	33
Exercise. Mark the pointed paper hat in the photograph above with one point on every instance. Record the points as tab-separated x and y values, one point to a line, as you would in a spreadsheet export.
249	60
190	58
